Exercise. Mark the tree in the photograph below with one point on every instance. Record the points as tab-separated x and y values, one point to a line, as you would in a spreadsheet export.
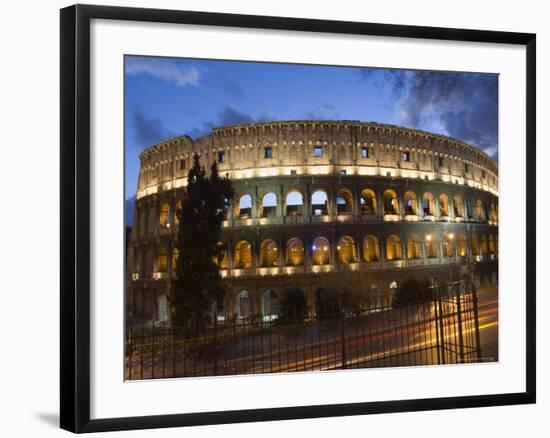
412	292
198	285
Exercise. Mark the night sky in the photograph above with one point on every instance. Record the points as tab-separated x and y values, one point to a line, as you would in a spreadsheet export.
165	97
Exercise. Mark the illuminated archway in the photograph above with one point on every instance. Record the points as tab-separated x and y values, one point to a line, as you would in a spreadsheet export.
475	245
269	254
391	203
449	245
462	246
346	250
242	258
220	257
175	257
432	246
320	251
458	206
177	212
428	204
480	210
344	201
410	203
443	205
393	248
484	246
368	202
294	252
371	249
413	248
164	218
162	259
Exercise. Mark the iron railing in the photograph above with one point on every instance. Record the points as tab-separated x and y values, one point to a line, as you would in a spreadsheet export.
440	325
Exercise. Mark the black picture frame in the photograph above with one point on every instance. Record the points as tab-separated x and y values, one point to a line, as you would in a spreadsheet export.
75	217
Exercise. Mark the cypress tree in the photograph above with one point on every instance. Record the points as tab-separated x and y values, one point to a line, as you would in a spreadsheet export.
198	284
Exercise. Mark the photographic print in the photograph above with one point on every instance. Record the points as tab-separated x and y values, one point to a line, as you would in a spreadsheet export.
289	217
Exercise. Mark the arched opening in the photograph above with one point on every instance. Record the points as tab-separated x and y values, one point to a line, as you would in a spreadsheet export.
371	249
293	304
269	205
164	219
449	245
175	257
294	203
220	256
162	308
393	248
368	202
491	244
327	305
177	212
432	246
243	305
458	206
320	251
484	247
475	245
319	203
162	259
428	204
391	203
245	207
413	248
344	201
270	305
462	245
294	252
346	250
410	203
269	254
243	255
493	212
443	205
480	210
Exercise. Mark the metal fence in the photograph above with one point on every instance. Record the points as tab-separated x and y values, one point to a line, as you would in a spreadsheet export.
440	325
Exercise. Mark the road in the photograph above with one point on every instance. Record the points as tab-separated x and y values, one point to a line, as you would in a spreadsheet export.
408	336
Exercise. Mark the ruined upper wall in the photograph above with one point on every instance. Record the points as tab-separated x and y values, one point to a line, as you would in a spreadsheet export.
313	147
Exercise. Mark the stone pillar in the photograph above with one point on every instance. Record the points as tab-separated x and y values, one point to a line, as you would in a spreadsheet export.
356	194
229	248
307	201
333	256
281	202
255	203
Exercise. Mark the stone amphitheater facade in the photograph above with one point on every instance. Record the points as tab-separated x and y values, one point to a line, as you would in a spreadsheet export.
320	204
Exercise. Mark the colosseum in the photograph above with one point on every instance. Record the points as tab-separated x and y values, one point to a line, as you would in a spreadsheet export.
320	204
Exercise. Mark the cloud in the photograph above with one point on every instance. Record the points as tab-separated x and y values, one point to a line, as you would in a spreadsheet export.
166	69
460	105
233	89
231	116
327	111
147	130
228	116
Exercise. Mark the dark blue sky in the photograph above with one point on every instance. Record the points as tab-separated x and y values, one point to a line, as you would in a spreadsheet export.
167	97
